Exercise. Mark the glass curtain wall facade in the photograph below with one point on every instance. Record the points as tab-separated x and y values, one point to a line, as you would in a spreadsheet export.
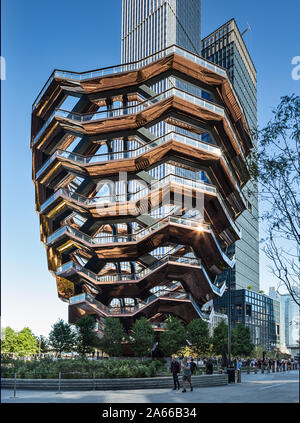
258	312
149	26
290	324
226	47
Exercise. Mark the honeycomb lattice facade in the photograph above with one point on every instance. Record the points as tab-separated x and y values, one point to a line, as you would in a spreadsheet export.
119	177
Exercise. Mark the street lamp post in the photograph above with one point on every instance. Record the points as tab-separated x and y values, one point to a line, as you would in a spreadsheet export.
229	323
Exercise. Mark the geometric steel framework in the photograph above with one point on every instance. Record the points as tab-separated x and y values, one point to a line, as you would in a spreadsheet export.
119	176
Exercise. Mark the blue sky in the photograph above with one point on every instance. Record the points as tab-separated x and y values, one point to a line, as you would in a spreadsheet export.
38	36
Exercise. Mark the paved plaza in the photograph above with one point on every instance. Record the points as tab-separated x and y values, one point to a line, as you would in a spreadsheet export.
260	388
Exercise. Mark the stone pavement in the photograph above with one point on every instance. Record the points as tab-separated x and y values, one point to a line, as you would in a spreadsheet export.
261	388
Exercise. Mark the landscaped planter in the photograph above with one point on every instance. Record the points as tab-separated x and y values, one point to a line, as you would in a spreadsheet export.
111	384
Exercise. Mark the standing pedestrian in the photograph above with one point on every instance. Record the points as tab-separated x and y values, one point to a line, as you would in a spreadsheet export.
175	369
209	367
193	366
186	374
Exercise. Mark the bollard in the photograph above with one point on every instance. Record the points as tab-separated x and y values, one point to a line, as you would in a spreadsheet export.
94	381
262	369
239	373
268	369
59	383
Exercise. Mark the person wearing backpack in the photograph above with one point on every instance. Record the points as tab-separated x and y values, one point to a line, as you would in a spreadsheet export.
193	366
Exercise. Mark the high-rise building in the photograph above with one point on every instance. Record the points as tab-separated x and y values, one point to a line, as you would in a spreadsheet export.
289	322
149	26
138	186
258	312
226	47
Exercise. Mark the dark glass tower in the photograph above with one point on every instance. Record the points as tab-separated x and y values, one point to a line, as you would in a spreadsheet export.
226	47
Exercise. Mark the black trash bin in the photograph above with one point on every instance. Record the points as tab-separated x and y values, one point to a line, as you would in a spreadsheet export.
231	374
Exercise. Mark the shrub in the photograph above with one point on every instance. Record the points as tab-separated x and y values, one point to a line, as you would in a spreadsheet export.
81	368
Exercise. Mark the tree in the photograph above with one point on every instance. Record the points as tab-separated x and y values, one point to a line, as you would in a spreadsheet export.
142	337
258	351
198	335
86	339
113	336
173	338
42	344
8	341
241	344
220	339
62	337
26	343
275	165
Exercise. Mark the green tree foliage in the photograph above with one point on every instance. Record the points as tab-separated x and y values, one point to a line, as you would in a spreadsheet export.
142	337
198	335
86	338
43	345
258	351
241	344
62	337
8	341
113	336
174	338
220	338
26	343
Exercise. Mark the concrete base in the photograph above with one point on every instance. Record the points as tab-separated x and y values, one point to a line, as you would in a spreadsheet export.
112	384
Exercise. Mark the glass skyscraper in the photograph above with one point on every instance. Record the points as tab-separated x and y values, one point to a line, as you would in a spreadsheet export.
149	26
226	47
258	312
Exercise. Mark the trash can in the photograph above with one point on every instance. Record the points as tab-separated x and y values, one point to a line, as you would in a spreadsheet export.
231	374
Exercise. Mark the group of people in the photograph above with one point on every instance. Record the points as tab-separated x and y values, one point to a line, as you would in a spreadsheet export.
283	363
187	368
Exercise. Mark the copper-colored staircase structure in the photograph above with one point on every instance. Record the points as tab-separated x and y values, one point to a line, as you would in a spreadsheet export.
138	185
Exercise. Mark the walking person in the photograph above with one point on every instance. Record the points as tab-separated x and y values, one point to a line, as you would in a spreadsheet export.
186	374
175	369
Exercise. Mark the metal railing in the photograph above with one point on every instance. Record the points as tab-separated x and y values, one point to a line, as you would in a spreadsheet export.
128	154
129	110
130	196
119	277
107	114
105	239
134	197
128	309
102	72
112	239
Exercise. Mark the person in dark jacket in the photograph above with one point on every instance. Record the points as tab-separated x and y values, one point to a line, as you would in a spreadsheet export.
193	366
209	368
175	369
